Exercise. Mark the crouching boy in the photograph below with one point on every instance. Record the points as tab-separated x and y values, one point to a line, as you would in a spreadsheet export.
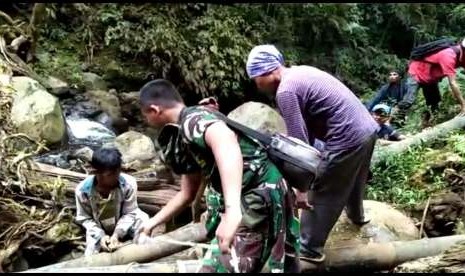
106	203
387	134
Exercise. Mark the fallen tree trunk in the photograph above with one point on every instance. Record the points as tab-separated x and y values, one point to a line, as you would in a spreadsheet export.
367	257
426	136
383	256
451	261
374	257
139	253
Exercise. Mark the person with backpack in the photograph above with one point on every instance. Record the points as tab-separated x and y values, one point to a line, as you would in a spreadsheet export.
250	210
314	104
429	64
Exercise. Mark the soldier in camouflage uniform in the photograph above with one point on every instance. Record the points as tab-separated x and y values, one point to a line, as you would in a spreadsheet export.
194	140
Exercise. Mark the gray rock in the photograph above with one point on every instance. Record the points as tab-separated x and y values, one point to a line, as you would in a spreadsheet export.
135	147
58	87
93	81
260	117
84	154
107	101
36	112
386	225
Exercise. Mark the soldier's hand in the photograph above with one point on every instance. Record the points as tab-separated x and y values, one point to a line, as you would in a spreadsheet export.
227	229
146	227
105	242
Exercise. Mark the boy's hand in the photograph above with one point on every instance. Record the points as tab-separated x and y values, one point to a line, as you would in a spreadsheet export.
105	242
114	243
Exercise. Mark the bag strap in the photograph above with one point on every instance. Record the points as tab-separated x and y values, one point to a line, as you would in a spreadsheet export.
456	49
264	139
458	52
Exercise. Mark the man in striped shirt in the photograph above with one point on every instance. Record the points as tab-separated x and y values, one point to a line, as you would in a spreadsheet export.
315	105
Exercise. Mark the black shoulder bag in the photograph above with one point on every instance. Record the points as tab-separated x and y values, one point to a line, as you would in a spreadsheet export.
296	160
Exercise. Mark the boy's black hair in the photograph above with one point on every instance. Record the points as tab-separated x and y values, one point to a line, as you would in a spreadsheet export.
399	71
159	92
106	159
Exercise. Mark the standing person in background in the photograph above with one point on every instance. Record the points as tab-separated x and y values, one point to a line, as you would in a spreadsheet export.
106	203
315	104
392	94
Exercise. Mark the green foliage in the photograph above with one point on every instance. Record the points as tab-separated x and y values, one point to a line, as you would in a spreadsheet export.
203	53
60	63
391	181
202	48
408	178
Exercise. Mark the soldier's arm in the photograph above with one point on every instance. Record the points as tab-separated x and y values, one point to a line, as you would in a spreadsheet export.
189	185
225	147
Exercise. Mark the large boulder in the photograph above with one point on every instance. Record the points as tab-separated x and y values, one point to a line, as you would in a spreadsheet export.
259	116
93	81
137	149
386	224
36	112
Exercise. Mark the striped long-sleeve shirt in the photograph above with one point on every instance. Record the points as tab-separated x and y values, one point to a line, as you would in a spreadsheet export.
315	104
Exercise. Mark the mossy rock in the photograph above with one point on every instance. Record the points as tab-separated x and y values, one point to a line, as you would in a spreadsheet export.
386	225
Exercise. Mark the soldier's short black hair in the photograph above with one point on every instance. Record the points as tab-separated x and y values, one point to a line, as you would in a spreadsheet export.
159	92
106	159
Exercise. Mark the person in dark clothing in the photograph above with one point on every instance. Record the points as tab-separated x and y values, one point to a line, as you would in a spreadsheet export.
381	114
392	94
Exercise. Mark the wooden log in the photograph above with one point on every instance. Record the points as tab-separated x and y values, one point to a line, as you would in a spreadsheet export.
370	257
159	195
451	261
150	209
425	137
143	183
165	267
158	248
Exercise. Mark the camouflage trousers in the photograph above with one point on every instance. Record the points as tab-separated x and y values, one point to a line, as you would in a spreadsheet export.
267	237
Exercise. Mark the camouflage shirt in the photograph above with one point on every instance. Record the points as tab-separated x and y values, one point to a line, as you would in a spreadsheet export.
194	121
266	202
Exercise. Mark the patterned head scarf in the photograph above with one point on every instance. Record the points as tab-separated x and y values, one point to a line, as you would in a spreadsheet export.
262	60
